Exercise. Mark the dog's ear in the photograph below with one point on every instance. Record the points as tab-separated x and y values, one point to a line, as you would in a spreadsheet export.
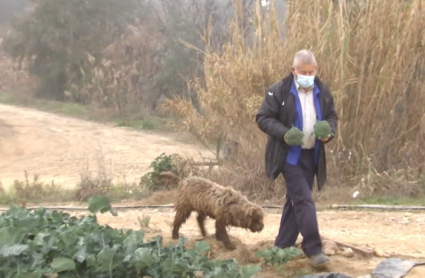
256	213
251	212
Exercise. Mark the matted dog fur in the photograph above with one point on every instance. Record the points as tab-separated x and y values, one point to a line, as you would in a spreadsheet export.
224	204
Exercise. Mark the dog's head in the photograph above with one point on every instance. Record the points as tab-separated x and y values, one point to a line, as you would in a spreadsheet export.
255	219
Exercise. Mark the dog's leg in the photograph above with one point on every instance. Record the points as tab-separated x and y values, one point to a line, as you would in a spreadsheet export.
201	222
221	234
179	219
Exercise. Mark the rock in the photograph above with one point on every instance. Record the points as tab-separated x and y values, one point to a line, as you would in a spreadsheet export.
404	222
347	252
378	252
298	242
329	251
330	247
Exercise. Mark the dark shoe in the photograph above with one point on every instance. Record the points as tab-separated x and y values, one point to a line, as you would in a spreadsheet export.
319	260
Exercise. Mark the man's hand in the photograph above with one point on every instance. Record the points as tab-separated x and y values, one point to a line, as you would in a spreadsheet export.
324	140
323	131
294	137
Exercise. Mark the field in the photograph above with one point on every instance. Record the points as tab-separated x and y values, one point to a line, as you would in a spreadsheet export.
397	233
77	146
57	147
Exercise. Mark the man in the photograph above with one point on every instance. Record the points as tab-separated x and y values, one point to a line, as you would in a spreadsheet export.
293	112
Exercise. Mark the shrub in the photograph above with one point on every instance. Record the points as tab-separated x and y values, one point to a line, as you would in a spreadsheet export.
151	179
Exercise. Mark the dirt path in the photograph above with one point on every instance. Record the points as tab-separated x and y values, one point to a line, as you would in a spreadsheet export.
396	233
60	148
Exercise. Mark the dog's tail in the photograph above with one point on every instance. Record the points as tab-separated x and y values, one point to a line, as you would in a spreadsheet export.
169	178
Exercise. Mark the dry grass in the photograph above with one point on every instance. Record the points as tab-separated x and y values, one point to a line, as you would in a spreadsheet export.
371	53
32	190
99	180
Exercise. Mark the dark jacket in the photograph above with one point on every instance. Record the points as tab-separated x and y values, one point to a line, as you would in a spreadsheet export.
276	116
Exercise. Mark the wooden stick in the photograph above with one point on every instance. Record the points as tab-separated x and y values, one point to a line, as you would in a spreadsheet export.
263	206
383	207
354	248
122	207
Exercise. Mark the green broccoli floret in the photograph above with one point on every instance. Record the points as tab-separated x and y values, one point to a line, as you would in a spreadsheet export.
294	137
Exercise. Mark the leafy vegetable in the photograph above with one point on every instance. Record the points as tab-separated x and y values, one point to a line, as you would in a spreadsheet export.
100	204
294	137
39	243
322	129
278	256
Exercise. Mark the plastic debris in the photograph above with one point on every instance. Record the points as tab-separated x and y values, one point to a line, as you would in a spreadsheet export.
394	268
390	268
327	275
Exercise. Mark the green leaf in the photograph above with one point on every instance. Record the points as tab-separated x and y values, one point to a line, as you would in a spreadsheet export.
250	270
63	264
106	259
68	238
143	259
266	254
100	204
11	234
66	275
35	274
13	250
201	246
91	260
39	239
81	254
133	241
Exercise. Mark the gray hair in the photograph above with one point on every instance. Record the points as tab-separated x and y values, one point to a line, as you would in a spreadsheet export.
304	57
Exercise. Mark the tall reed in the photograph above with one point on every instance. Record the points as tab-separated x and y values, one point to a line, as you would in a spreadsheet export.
370	53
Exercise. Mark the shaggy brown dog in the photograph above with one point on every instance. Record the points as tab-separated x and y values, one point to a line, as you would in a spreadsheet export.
227	206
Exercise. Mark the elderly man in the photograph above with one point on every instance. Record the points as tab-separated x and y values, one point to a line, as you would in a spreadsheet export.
294	112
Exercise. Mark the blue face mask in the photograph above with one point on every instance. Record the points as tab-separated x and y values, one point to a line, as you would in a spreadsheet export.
305	81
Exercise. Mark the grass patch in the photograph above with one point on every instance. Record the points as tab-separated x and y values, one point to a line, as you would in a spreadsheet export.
137	124
85	112
403	201
62	108
150	123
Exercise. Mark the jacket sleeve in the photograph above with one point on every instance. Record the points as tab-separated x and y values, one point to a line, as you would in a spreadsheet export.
267	116
331	116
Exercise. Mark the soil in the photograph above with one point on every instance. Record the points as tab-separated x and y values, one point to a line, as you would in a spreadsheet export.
397	234
59	148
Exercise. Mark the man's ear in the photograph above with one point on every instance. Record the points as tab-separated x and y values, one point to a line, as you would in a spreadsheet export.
293	72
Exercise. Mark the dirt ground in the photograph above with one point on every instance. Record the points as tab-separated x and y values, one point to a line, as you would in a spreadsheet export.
61	148
398	234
